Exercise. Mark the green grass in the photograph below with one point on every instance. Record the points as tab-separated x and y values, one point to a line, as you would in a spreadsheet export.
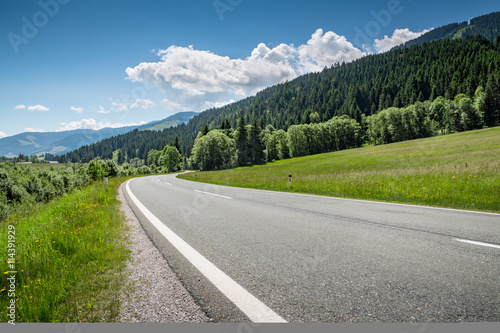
455	171
70	258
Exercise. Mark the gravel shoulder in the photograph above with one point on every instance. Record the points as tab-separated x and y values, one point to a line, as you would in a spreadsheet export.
154	294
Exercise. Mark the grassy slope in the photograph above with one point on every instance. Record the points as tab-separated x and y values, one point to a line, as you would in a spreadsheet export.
70	255
457	171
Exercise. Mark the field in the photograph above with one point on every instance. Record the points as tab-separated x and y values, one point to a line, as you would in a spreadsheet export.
456	171
69	255
47	165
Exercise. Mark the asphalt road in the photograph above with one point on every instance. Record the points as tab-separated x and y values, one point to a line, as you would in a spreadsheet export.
317	259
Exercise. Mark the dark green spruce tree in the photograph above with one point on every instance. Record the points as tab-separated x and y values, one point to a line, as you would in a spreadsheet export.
256	147
242	144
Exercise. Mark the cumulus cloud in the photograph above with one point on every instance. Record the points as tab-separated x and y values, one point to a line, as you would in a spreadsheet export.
400	36
119	106
193	79
325	49
3	135
76	109
92	124
29	129
102	110
32	108
38	108
142	104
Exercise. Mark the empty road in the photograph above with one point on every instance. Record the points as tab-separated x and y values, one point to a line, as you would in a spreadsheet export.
249	255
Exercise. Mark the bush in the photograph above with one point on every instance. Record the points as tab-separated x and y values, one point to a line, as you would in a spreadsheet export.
95	170
58	182
111	168
34	187
4	207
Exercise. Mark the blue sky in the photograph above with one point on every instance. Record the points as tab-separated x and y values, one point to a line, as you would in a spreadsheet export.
68	64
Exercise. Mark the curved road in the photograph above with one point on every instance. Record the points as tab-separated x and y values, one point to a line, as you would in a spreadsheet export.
249	255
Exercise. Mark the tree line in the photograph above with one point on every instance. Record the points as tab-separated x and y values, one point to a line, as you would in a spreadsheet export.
224	147
358	90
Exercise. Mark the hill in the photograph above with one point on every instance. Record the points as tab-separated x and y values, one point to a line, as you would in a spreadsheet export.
397	78
172	121
487	26
456	171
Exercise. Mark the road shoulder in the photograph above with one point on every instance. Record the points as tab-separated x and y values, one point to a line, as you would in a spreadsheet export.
155	294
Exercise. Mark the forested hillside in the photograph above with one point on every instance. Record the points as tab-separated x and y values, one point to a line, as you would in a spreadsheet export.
487	26
397	78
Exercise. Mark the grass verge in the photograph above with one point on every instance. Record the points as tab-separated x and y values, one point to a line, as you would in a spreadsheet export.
69	256
456	171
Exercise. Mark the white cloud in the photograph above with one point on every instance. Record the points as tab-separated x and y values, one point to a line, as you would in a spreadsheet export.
325	49
32	108
76	109
119	106
3	135
38	108
170	105
142	104
192	79
400	36
92	124
102	110
210	105
37	130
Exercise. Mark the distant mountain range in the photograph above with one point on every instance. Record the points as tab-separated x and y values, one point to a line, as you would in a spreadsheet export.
58	143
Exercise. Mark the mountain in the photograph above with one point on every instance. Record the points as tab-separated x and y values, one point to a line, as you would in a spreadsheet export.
172	121
58	143
399	78
32	143
487	26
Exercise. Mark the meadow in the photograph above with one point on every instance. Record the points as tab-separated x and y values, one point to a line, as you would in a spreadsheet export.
455	171
69	257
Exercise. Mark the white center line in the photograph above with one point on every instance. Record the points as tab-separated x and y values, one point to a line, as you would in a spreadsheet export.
217	195
478	243
168	183
257	311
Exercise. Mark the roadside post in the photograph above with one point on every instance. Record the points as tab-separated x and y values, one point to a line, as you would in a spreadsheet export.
290	181
106	182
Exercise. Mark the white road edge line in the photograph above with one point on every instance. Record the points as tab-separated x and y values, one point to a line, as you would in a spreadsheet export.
217	195
478	243
253	308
